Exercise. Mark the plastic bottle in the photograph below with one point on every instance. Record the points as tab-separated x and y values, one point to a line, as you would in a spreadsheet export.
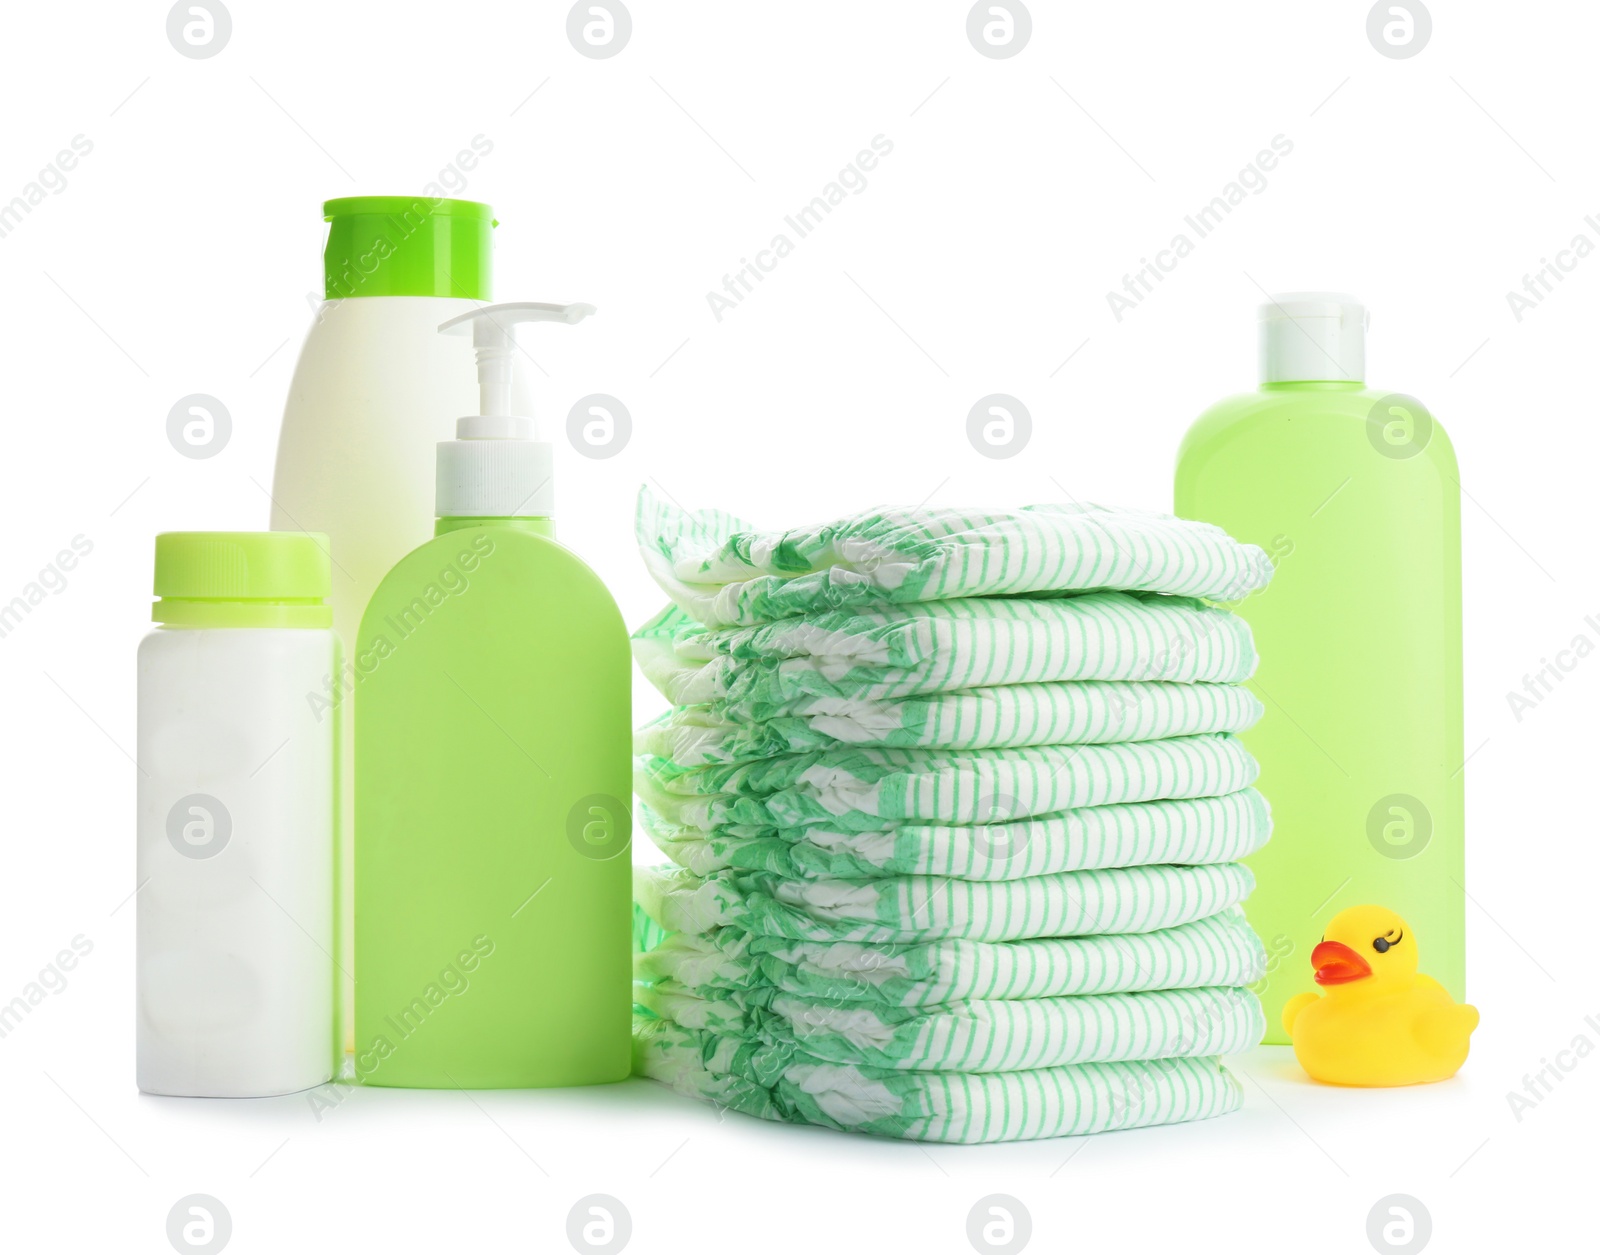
236	819
1354	492
493	907
371	395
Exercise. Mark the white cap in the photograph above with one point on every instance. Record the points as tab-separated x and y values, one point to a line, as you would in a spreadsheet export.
1313	336
495	468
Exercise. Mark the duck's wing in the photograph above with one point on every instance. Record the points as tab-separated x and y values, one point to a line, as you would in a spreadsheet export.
1292	1009
1444	1030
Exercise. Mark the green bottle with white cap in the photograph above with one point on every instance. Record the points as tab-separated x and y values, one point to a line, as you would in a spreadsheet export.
1355	495
493	907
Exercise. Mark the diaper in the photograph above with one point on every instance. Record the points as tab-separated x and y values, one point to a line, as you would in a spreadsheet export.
722	572
1218	950
925	908
868	789
1089	712
897	651
966	1107
974	1036
1187	830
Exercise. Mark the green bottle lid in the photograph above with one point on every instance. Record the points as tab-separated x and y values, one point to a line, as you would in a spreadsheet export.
242	579
407	246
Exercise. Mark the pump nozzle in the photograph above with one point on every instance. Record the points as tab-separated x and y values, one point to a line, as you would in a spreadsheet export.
494	336
494	468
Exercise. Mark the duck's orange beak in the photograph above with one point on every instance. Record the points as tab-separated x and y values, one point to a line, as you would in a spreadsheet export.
1337	964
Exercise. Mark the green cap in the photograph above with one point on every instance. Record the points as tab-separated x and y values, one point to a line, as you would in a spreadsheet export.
242	579
407	246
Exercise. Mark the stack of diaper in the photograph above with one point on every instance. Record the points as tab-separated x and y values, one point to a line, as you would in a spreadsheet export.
957	808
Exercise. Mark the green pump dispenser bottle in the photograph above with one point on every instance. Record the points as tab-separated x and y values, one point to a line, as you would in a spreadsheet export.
1355	494
492	776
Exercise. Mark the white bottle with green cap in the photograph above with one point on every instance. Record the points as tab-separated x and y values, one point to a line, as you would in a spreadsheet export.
373	393
237	818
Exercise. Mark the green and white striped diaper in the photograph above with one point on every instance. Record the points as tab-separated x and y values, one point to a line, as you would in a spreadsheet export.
723	572
1187	830
1218	950
975	1036
940	647
867	789
926	908
963	1107
1088	712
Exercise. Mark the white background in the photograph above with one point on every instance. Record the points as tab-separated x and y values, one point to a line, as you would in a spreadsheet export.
177	259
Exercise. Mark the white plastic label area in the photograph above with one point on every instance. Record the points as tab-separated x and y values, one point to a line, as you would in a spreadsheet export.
236	990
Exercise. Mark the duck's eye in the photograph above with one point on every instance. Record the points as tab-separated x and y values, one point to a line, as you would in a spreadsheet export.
1390	938
1381	945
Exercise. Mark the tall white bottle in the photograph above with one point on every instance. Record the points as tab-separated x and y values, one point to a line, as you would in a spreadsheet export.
372	396
236	820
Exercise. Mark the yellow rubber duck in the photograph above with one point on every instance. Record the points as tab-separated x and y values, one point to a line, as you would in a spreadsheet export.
1381	1022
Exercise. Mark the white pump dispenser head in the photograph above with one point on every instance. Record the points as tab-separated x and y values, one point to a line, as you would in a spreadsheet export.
495	467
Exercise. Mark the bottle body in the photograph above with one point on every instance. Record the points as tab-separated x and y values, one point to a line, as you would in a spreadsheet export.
373	392
236	862
1355	495
375	389
493	772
